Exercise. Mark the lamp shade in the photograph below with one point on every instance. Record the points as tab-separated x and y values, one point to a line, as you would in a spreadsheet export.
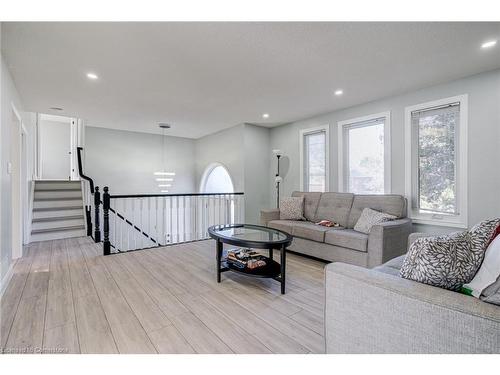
277	152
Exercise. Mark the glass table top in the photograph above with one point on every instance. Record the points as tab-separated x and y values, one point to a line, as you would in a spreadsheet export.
247	232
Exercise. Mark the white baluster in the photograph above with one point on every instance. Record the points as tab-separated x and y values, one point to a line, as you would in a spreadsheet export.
164	220
184	212
156	221
177	217
171	235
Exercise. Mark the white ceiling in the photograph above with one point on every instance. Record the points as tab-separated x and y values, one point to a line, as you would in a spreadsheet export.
204	77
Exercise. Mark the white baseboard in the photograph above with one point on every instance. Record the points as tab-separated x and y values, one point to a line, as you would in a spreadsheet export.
6	279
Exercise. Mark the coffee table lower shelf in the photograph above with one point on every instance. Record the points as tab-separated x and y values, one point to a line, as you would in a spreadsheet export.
271	270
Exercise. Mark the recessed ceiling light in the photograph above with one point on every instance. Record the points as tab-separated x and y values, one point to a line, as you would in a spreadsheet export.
489	44
338	92
56	108
92	76
265	115
164	173
164	185
164	179
164	191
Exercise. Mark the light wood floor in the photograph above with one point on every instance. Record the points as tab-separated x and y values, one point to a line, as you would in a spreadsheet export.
66	297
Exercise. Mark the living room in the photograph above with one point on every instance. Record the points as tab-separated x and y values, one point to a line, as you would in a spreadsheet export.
250	187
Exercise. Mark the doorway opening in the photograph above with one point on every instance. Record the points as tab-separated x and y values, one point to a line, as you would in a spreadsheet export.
58	137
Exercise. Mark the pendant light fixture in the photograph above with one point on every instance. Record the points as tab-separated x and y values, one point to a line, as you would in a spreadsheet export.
164	126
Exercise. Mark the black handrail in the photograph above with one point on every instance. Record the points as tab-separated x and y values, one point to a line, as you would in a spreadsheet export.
170	195
88	214
80	169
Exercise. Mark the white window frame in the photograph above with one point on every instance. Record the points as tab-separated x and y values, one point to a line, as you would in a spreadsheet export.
304	132
341	125
457	221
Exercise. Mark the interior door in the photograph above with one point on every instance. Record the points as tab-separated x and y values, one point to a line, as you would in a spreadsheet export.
55	147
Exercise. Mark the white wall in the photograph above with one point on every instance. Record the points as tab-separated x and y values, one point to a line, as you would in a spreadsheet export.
125	161
9	98
257	156
225	147
483	141
244	151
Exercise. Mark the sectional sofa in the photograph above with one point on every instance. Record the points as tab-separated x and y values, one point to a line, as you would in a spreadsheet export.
377	311
343	244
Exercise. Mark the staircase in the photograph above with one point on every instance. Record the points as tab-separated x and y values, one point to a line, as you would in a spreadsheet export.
57	211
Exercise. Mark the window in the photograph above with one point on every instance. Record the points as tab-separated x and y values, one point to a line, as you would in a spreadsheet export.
436	161
216	179
364	154
314	159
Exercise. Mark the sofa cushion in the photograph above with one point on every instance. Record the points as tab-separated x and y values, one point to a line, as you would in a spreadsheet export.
391	204
334	207
391	267
395	263
284	225
292	208
310	203
347	238
369	218
310	231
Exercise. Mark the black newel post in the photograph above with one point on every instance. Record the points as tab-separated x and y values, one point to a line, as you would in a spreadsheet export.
88	217
97	202
105	207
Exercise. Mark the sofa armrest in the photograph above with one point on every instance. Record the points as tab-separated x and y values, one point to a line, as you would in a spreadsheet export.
368	311
268	215
388	240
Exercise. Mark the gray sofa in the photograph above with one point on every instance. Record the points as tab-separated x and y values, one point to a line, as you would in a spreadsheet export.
376	311
343	244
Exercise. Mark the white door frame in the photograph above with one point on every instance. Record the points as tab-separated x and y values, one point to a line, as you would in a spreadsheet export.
16	159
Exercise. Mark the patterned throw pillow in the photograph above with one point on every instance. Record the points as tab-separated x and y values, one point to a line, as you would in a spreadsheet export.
369	218
448	261
292	208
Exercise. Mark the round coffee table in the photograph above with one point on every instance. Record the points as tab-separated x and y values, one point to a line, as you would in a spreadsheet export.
255	237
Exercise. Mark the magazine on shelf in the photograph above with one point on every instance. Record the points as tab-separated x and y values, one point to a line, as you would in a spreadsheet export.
245	258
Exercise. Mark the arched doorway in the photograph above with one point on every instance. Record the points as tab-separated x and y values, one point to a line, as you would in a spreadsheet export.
220	209
216	179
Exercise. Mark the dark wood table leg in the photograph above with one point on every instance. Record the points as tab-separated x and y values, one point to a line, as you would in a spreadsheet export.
271	253
219	258
283	268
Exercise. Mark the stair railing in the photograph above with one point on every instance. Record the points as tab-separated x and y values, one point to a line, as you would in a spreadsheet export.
168	218
140	221
88	197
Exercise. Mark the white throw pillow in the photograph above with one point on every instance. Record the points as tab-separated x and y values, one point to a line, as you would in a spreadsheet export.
292	208
488	273
369	218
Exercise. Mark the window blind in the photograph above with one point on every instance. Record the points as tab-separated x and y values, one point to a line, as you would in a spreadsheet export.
435	158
